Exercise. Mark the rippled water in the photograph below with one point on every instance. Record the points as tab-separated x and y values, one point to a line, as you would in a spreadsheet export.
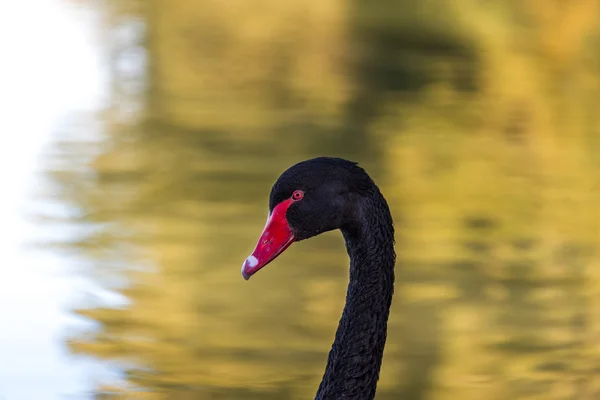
480	129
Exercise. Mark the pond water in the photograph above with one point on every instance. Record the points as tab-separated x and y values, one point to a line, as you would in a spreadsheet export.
481	130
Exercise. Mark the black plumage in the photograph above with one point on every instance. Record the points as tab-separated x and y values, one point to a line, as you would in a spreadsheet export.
339	194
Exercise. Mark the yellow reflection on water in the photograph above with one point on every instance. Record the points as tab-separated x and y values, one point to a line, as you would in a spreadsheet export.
478	121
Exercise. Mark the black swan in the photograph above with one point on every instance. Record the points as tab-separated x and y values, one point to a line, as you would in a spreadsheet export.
320	195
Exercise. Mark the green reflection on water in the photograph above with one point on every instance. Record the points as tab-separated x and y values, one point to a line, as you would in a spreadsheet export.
481	130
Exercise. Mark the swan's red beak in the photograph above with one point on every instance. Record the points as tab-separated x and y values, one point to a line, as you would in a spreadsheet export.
276	237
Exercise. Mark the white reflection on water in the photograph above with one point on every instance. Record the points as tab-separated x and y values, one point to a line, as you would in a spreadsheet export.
50	69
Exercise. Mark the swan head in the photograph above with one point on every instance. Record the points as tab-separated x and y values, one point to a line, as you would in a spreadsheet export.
309	198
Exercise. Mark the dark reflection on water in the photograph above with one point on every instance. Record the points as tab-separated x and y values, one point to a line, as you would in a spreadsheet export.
497	239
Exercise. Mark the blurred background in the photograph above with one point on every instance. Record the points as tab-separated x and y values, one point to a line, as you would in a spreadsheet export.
140	142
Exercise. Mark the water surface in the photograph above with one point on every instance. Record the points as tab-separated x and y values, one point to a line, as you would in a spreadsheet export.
480	125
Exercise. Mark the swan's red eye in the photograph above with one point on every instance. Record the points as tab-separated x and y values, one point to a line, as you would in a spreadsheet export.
298	195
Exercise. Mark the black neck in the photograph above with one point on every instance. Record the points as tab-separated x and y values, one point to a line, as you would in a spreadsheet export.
355	358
